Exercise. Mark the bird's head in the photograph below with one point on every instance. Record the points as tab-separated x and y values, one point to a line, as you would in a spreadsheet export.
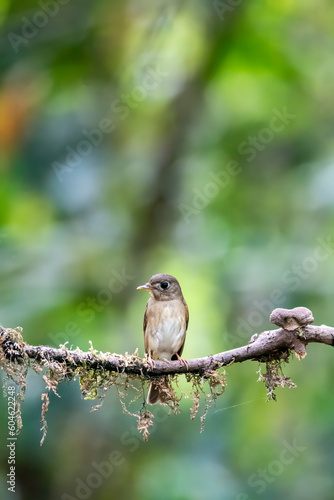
163	287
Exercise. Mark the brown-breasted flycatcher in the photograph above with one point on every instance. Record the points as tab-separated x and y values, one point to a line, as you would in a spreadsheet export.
165	324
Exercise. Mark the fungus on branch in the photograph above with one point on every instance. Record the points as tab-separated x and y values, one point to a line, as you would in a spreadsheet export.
98	371
292	319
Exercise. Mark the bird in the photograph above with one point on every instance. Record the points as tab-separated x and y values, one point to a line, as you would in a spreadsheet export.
165	325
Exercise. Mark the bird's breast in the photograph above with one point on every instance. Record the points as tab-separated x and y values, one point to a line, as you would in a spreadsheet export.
166	329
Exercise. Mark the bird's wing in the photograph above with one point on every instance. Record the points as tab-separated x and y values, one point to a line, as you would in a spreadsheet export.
144	329
187	313
187	321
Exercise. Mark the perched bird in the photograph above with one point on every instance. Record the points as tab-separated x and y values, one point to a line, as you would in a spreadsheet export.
165	324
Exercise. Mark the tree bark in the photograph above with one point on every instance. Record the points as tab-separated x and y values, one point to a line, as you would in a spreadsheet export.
266	346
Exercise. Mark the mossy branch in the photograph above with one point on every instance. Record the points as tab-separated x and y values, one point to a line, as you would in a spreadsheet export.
271	343
98	371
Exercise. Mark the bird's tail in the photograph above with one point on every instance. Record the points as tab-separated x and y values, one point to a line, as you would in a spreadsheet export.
157	393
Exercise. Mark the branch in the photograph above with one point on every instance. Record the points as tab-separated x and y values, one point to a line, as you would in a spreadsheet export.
294	335
98	371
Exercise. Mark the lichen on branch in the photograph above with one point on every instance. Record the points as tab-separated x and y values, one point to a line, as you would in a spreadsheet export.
97	372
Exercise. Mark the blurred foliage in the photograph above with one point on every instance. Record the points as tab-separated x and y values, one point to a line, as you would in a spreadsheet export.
193	138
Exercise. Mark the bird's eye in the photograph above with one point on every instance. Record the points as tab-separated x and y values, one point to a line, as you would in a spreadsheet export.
164	285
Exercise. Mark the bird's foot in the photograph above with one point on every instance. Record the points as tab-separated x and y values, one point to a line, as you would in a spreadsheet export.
184	361
150	362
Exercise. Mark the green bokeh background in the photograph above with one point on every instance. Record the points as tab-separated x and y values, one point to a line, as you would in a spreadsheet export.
185	93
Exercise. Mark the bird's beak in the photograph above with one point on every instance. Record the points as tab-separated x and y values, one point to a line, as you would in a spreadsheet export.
144	287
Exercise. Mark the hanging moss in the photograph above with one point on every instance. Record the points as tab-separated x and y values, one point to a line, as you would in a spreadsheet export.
95	380
274	377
